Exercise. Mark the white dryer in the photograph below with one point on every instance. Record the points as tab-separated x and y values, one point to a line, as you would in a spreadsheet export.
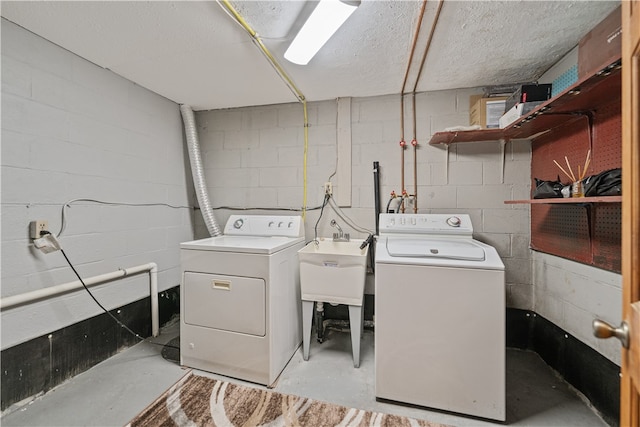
240	298
439	316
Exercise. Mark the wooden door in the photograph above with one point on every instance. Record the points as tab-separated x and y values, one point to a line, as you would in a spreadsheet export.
630	366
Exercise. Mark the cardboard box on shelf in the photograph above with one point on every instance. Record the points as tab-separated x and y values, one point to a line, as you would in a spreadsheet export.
601	46
517	111
486	112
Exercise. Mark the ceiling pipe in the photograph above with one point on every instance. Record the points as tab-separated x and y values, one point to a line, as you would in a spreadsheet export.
414	141
403	143
227	7
426	49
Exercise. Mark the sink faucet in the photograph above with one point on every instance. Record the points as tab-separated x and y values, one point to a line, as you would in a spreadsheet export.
339	236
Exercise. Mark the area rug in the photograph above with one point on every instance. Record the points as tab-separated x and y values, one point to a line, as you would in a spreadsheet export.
201	401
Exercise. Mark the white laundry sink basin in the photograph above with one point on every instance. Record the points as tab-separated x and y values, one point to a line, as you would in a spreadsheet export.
333	272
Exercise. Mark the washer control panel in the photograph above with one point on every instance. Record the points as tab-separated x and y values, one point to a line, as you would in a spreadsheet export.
449	224
264	225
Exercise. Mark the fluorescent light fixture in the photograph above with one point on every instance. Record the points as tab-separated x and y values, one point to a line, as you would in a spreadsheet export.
324	21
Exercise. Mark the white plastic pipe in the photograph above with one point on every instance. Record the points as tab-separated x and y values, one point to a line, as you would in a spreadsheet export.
152	268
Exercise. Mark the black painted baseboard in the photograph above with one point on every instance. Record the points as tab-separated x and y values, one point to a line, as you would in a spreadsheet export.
595	376
42	363
584	368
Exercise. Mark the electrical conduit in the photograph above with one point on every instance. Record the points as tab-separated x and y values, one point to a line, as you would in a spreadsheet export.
197	170
40	294
290	84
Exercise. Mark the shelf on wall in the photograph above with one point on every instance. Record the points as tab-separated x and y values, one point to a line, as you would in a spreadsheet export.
569	200
584	95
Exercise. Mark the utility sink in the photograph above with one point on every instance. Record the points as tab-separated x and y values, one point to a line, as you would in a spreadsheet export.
333	272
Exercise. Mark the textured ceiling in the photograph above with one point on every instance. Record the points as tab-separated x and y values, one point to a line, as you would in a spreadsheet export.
194	53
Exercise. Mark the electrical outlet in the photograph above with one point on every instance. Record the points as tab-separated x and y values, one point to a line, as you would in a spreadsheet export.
38	226
328	188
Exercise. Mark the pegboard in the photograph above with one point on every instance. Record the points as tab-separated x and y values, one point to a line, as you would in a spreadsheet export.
567	79
586	233
607	238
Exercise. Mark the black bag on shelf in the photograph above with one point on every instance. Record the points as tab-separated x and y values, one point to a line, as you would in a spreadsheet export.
606	183
547	189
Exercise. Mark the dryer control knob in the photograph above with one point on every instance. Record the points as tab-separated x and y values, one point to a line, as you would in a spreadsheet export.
238	223
453	221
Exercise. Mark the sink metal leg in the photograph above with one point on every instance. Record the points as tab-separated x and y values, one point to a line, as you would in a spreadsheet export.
307	318
362	319
355	322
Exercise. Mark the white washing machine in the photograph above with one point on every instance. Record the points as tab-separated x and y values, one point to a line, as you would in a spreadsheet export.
439	316
240	298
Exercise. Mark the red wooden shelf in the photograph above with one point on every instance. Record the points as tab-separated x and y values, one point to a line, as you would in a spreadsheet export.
568	200
467	136
584	95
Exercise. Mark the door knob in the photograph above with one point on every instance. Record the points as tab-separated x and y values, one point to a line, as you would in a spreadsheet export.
602	329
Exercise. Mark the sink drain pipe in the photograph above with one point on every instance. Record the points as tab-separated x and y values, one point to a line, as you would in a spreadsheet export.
197	170
320	321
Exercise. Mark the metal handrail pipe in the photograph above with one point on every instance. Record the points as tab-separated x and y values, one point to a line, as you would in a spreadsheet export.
40	294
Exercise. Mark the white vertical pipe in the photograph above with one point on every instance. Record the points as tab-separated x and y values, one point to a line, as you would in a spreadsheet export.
153	284
152	268
503	144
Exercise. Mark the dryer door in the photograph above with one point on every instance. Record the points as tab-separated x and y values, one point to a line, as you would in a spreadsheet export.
229	303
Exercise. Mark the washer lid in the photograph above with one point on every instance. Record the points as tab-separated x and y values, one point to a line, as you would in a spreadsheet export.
243	244
427	248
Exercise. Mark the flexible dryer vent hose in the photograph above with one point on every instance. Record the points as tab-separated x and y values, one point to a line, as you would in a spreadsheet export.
197	170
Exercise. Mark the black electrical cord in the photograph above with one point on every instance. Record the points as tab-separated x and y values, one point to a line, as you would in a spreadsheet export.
389	204
63	219
107	311
63	215
324	203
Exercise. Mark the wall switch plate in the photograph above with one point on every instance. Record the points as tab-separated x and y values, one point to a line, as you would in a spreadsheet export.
36	227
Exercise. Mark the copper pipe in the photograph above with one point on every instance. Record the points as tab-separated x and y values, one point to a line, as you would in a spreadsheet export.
402	176
402	117
413	96
426	49
414	142
404	84
413	45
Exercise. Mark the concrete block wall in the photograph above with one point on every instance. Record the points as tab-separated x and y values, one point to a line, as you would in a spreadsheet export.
73	130
572	295
567	293
254	158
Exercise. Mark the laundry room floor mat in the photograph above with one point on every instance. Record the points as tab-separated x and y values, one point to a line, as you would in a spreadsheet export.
202	401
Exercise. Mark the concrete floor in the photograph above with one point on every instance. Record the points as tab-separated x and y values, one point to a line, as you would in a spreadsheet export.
116	390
